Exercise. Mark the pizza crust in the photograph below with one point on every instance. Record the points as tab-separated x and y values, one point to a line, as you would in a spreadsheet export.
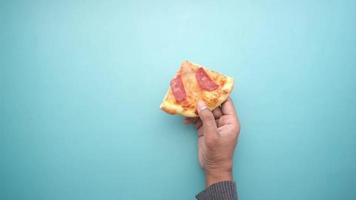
213	99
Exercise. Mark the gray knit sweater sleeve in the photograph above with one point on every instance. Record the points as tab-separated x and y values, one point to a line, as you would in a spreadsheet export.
225	190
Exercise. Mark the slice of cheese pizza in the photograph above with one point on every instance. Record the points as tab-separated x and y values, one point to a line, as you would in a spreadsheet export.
194	82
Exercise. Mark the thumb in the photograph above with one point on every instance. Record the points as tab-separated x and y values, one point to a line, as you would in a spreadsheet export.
207	118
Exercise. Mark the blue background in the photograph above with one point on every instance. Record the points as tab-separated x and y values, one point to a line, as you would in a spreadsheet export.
81	83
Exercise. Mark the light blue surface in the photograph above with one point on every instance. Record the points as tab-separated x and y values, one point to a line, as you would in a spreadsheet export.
81	83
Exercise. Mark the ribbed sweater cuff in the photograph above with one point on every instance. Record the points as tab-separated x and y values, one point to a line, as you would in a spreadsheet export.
223	190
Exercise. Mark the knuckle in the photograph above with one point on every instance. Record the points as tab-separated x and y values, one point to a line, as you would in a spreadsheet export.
225	120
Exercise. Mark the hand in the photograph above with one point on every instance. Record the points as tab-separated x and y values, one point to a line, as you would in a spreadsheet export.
218	132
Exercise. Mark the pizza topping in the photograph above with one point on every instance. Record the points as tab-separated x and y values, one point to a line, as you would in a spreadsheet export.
205	81
177	88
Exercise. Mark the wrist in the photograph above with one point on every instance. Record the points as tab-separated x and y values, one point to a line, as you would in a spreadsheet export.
215	176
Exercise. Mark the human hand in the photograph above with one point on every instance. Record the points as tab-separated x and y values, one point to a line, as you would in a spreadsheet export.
218	132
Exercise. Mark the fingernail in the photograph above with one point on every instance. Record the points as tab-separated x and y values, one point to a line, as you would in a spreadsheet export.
201	105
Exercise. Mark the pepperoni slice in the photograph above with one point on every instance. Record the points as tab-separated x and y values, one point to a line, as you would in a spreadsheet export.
177	88
204	81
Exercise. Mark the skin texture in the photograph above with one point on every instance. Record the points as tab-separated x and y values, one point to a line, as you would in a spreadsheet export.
218	132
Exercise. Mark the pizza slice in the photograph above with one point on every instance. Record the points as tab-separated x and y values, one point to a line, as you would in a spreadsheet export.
192	83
